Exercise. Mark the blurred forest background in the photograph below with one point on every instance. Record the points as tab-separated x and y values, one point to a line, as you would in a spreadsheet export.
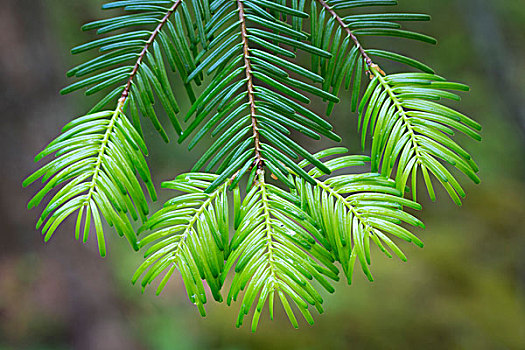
464	290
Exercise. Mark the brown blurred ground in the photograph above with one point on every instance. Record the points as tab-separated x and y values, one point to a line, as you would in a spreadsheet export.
464	290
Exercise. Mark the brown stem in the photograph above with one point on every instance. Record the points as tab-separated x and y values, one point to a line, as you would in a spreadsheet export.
251	97
152	37
339	20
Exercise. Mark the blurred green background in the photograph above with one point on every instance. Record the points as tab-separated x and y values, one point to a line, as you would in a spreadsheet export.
464	290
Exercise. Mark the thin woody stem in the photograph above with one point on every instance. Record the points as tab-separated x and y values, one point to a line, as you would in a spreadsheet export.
258	162
122	101
362	51
150	41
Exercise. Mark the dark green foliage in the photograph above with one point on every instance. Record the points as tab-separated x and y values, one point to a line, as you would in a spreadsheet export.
238	63
140	54
252	89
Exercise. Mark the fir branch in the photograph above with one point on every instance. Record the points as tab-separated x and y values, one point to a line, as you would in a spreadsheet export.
150	41
339	20
286	240
354	209
189	234
274	251
99	154
405	123
258	162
